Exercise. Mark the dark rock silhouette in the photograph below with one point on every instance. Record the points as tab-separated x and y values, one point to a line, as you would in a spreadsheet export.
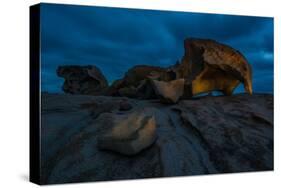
82	79
207	135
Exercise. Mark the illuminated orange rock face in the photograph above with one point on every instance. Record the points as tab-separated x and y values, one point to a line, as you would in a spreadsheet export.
210	66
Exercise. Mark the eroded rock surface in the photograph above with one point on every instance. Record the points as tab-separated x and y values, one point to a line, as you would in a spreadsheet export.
211	66
207	135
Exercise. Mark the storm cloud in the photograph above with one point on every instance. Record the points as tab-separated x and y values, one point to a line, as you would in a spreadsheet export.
116	39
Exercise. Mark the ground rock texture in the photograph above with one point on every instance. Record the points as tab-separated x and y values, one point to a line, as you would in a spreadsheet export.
212	134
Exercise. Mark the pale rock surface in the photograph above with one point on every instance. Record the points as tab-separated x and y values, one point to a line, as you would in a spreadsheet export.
169	92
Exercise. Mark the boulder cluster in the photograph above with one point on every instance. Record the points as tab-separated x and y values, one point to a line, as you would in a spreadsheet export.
205	67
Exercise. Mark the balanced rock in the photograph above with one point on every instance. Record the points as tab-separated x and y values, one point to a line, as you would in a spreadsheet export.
169	92
130	133
82	79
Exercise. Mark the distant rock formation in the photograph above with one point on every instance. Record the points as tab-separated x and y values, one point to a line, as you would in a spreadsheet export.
82	79
205	67
91	139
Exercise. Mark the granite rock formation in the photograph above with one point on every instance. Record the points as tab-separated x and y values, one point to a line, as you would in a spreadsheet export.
208	65
205	67
207	135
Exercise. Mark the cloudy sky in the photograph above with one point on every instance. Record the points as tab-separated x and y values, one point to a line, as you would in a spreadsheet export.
116	39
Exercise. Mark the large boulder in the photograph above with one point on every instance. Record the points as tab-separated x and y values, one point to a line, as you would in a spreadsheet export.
208	65
129	134
82	79
169	92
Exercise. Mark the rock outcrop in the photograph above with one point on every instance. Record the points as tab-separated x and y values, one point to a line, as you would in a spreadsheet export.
207	135
82	79
205	67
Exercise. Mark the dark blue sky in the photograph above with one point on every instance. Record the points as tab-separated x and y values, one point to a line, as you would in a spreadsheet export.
116	39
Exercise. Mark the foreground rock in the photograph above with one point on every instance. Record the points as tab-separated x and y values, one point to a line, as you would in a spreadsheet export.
82	79
130	133
201	136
